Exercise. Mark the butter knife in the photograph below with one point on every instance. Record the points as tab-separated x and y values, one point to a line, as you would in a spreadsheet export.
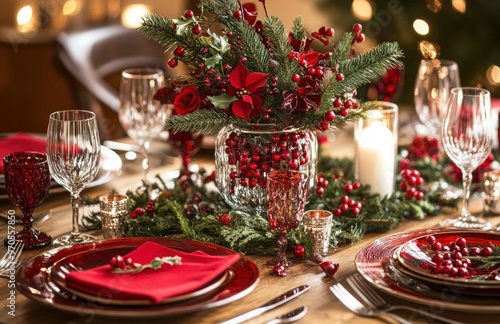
275	302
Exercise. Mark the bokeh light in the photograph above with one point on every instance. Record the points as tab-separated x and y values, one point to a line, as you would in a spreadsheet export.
362	9
132	15
421	27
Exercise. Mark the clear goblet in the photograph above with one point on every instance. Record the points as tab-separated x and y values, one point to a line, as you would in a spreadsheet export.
287	195
27	182
467	137
142	117
434	81
73	153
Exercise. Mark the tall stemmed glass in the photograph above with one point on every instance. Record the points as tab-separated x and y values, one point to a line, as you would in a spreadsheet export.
467	136
27	181
142	117
434	81
287	195
73	153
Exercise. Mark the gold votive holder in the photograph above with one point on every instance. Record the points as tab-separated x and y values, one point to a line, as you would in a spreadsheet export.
491	186
113	210
318	225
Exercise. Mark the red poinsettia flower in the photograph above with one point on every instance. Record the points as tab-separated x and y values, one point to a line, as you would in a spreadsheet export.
311	57
246	87
304	99
299	45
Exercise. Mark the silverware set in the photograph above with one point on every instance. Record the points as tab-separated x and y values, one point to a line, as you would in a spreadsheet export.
294	315
374	304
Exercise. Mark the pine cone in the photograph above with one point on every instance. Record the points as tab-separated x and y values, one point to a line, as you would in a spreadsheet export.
316	258
225	219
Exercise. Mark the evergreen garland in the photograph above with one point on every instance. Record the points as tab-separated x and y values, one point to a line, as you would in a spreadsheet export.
251	234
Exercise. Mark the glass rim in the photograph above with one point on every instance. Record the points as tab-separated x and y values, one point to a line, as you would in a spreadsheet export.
294	175
141	72
317	213
7	159
470	91
69	115
267	128
451	65
385	105
112	198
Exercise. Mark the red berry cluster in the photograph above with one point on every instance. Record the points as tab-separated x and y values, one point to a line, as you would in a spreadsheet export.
195	207
252	160
451	260
322	184
119	262
323	34
280	270
422	147
139	211
359	37
348	205
389	85
329	268
410	181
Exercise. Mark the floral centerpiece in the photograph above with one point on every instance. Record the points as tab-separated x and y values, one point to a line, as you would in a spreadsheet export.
252	75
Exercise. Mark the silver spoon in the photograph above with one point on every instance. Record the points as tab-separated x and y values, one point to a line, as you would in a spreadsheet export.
292	316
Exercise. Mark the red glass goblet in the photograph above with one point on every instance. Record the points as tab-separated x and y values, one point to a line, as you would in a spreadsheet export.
27	182
186	144
287	195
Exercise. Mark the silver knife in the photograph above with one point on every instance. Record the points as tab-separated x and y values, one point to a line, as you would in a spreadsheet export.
280	300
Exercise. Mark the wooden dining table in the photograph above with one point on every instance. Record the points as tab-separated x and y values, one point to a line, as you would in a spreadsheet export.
323	306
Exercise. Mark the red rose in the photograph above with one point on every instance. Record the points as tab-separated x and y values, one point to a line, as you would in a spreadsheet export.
187	100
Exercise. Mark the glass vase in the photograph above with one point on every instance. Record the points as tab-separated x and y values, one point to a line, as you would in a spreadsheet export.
245	155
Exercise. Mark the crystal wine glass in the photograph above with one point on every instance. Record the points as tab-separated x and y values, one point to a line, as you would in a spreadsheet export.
141	116
467	137
287	195
434	81
73	153
27	181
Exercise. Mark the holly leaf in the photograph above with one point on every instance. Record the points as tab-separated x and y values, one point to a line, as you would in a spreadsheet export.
182	24
218	43
213	60
224	45
156	263
222	101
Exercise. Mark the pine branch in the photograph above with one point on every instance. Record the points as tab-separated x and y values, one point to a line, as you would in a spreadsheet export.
298	29
366	66
206	121
342	50
255	51
275	32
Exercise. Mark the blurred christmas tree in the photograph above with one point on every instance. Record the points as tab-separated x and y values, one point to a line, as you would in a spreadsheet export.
467	32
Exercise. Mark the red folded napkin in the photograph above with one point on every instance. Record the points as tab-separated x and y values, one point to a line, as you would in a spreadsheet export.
20	142
195	272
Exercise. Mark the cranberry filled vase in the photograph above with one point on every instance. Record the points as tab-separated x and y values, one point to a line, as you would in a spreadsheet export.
245	155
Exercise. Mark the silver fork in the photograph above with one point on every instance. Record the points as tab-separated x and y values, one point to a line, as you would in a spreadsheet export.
11	257
356	307
373	299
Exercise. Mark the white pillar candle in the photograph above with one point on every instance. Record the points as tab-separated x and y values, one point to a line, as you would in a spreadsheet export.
376	158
